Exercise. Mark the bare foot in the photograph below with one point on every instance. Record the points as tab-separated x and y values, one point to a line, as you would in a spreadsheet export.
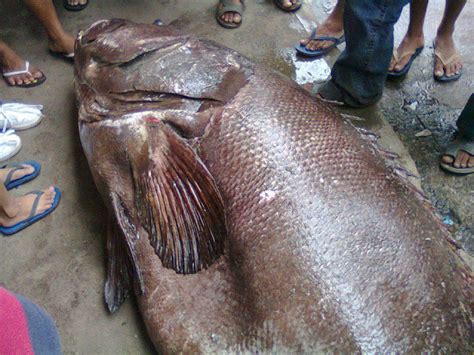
230	16
12	62
408	45
21	207
17	174
446	48
331	27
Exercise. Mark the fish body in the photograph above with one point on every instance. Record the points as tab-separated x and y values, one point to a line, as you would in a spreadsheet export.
248	216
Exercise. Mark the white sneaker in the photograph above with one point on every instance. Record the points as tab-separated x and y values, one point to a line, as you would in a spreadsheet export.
10	144
19	116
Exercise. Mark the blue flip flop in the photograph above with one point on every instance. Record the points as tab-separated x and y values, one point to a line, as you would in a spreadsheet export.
406	68
301	49
33	216
11	184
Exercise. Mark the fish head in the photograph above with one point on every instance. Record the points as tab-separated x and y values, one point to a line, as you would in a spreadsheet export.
122	66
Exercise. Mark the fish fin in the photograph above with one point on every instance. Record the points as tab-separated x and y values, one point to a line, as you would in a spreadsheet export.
117	284
178	202
122	267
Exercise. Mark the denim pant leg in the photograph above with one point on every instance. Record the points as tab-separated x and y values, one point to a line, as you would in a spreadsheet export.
465	121
361	70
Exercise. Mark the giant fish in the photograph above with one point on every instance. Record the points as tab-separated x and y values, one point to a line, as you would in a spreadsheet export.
248	216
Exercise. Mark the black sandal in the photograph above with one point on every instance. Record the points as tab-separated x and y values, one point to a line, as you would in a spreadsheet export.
77	7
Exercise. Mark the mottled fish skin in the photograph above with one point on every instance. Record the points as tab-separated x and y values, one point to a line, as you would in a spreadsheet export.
327	249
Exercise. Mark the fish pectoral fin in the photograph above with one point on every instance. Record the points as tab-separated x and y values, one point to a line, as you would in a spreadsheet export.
123	271
179	203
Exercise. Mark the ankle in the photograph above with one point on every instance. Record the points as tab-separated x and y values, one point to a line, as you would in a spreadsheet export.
415	37
443	37
9	211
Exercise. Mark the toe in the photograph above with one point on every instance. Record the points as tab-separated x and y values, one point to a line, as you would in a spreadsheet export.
11	80
458	162
465	160
470	163
447	159
237	18
438	68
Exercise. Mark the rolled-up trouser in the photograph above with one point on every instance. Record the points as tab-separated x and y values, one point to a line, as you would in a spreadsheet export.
361	69
465	121
25	328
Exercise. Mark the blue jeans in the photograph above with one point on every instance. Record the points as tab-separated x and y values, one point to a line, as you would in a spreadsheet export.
361	70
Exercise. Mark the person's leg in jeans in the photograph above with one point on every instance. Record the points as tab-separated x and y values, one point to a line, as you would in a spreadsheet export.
460	153
358	76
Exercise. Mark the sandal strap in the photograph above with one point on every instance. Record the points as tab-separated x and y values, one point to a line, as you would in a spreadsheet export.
398	57
446	61
15	167
229	6
460	144
34	207
18	72
313	36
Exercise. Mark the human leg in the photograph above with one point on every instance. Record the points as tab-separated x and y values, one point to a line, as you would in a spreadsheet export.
11	62
448	62
360	71
414	37
460	153
333	26
59	40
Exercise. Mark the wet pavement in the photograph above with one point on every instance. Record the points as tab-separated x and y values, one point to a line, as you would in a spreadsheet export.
60	261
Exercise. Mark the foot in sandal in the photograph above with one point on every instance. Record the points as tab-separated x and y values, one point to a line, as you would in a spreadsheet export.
75	5
459	157
21	212
410	47
229	13
16	174
288	5
18	72
448	62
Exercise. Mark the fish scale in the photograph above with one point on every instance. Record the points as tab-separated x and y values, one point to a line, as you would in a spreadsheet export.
289	231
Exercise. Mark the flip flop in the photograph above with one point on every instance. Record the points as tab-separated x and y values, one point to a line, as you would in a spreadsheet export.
452	150
227	6
67	56
293	8
444	78
406	68
33	216
38	81
74	7
301	49
10	184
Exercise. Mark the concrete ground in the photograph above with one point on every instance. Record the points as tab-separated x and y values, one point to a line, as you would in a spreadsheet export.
60	262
